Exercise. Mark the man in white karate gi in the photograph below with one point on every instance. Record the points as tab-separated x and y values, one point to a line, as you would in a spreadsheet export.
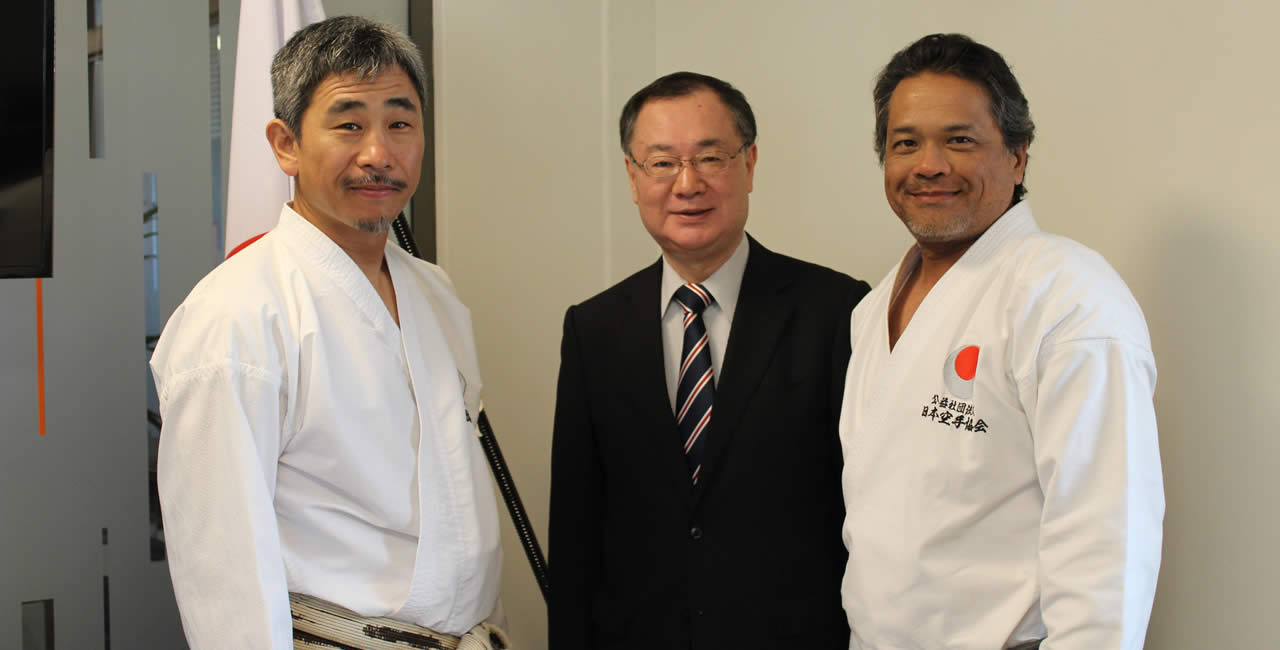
318	390
1002	475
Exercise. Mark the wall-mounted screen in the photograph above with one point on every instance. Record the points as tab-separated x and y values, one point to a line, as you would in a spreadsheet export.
26	168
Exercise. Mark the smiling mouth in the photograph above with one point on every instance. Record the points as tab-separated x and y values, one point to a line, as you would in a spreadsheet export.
691	213
934	196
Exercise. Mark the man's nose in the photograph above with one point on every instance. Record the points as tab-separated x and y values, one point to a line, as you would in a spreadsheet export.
688	181
932	162
373	150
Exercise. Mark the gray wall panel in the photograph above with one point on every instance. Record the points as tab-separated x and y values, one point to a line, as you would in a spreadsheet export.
90	470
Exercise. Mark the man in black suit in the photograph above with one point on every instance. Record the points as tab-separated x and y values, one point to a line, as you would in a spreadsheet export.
671	526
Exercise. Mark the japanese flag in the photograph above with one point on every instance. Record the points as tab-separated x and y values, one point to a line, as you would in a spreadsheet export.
256	188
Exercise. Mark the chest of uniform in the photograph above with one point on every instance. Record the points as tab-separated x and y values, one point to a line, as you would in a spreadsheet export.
945	401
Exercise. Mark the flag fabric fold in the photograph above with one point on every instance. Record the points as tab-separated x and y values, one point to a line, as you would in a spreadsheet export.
256	188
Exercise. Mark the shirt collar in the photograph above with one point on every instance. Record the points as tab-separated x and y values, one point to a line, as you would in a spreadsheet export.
1016	221
304	237
724	284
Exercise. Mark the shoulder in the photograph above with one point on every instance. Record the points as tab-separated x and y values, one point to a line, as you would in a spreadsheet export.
233	316
1070	292
240	287
636	290
436	278
808	279
876	300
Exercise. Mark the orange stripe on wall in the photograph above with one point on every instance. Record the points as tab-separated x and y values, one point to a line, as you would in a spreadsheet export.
40	349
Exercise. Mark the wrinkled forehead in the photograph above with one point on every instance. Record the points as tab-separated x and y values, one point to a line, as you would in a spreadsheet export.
680	148
358	89
372	79
939	97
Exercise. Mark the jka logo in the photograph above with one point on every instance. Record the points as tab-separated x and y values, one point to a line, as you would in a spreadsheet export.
959	370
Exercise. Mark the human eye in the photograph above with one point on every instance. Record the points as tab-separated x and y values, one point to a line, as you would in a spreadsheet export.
962	139
401	124
904	144
348	126
712	157
660	163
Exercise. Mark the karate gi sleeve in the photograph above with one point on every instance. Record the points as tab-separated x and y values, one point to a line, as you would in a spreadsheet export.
575	507
217	474
1098	460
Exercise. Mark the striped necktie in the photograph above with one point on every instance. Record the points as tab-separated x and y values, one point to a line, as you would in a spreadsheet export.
695	383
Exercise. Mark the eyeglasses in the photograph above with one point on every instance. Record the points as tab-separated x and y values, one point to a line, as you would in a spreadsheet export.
707	163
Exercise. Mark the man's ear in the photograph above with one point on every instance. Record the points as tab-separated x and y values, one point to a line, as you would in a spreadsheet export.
284	145
632	170
1020	164
752	154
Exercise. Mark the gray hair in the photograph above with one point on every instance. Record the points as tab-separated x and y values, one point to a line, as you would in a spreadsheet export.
337	46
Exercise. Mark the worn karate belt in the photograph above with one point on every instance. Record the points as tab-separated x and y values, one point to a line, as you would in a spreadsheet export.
321	625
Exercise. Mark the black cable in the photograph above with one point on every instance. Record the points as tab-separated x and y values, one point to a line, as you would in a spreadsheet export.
401	226
507	486
498	464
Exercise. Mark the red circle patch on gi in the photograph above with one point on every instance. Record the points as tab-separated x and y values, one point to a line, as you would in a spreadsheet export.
959	370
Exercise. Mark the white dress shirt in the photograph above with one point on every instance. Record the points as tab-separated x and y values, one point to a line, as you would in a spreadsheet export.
723	285
1002	473
312	445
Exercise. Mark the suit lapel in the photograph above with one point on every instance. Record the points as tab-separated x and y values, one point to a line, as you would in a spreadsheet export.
759	319
642	377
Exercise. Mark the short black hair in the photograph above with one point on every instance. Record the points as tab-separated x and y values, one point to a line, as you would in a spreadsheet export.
681	84
960	56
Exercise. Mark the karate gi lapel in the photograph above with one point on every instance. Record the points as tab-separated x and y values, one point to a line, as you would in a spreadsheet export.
452	320
310	243
436	383
760	318
439	352
640	372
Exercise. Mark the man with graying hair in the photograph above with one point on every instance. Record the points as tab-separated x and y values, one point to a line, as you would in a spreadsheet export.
695	464
321	481
1002	471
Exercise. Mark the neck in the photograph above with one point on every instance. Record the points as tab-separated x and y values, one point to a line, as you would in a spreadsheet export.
937	257
698	270
366	249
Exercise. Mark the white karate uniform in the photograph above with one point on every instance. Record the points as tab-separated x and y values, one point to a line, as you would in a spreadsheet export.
1018	499
311	445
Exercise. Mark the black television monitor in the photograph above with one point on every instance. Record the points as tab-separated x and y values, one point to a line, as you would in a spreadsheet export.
26	168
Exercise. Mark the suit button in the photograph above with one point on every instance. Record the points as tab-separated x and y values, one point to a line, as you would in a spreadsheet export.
695	533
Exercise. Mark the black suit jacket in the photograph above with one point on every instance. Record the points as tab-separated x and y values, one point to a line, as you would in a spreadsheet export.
752	556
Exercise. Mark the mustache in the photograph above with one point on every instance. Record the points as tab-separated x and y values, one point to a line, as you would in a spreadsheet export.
374	179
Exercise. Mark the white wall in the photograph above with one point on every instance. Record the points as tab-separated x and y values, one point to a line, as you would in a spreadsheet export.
519	145
1155	127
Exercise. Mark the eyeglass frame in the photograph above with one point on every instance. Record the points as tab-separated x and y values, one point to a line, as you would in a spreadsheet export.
687	161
